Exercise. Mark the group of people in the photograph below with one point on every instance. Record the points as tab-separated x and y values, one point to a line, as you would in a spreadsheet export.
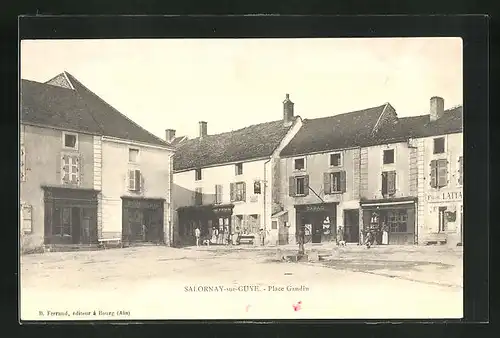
378	234
222	236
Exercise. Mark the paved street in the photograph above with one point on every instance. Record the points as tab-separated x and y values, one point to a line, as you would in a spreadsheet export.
244	283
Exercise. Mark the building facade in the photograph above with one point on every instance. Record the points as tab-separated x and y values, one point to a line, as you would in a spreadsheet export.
79	156
228	184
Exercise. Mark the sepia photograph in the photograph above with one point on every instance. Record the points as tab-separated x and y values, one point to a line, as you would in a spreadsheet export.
241	179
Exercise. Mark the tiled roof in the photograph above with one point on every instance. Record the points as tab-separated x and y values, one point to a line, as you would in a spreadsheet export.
112	122
177	140
53	106
334	132
66	103
252	142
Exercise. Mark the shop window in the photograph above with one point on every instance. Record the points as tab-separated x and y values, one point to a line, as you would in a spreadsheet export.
238	192
397	221
198	196
388	156
133	155
134	180
298	185
439	173
299	163
218	194
256	188
61	225
26	220
70	171
70	140
274	225
336	160
197	175
439	145
460	170
238	168
334	182
388	183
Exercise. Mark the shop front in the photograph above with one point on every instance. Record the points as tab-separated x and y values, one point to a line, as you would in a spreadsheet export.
444	217
214	222
392	221
318	221
70	216
142	220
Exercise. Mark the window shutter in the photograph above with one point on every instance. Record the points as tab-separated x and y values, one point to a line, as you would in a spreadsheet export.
384	183
23	163
342	181
244	191
232	192
391	182
137	180
75	169
131	180
460	170
65	171
326	183
291	186
306	185
433	173
442	173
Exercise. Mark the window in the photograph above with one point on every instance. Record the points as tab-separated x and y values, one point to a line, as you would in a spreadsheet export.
197	175
238	193
389	156
198	196
256	188
397	221
133	155
439	173
238	168
336	160
70	140
134	180
70	171
439	145
334	182
218	194
274	225
460	170
22	163
388	183
298	185
62	221
26	218
299	163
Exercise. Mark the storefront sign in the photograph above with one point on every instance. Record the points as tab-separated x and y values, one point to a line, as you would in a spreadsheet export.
223	210
141	204
445	196
315	208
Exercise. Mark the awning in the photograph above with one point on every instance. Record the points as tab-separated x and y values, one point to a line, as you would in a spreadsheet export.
279	214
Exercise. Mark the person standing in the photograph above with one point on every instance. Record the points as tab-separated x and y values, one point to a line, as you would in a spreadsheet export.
197	234
385	234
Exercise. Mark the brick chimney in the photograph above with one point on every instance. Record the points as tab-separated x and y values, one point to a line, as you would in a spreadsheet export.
287	110
203	129
169	135
437	108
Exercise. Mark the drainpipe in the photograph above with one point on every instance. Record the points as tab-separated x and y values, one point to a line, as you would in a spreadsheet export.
264	199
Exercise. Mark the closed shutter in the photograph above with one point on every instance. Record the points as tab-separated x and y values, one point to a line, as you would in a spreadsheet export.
384	183
233	197
244	193
442	173
75	170
137	180
342	181
27	219
410	222
131	180
306	185
433	166
461	170
65	169
391	182
292	189
327	183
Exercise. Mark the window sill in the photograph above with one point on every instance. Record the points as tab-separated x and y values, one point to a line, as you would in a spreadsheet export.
335	193
299	170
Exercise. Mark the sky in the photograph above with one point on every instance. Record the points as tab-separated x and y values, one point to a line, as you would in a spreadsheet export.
232	83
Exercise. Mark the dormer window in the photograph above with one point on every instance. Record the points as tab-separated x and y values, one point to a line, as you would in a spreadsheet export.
299	163
70	140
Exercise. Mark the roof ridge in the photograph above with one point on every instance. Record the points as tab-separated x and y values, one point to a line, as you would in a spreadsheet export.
235	130
346	113
110	106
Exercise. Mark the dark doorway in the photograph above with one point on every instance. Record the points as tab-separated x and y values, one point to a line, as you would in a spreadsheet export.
351	226
442	219
317	228
75	225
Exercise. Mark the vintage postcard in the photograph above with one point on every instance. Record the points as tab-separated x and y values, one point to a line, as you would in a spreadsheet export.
241	179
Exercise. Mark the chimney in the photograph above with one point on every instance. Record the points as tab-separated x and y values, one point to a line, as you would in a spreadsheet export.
437	108
287	110
203	129
169	135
